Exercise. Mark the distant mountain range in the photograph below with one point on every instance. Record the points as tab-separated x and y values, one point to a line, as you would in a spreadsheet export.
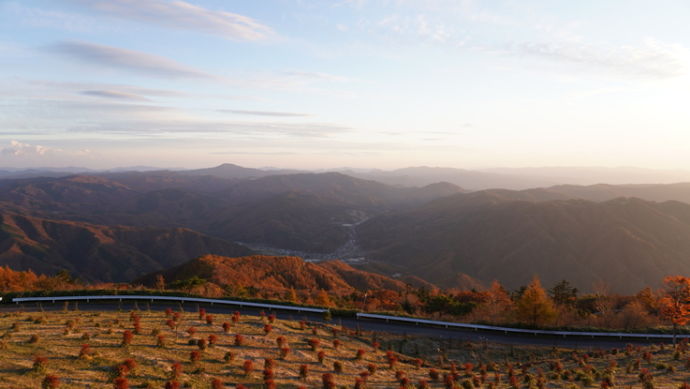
629	236
303	212
477	179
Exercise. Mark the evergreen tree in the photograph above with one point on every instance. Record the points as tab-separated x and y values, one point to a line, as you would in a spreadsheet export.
534	306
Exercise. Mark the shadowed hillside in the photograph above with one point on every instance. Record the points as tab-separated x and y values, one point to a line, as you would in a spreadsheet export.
299	212
626	243
100	253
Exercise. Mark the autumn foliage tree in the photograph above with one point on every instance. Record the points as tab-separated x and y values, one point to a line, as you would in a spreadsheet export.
534	306
675	303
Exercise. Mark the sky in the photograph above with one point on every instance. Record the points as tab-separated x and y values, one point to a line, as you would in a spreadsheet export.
344	83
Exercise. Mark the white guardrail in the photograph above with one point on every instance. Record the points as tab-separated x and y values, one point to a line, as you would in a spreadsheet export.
508	330
169	298
371	316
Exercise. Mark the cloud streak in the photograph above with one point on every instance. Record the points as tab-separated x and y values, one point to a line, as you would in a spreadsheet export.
160	127
123	59
650	59
113	94
264	113
181	15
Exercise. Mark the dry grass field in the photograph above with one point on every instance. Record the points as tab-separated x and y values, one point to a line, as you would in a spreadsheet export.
142	349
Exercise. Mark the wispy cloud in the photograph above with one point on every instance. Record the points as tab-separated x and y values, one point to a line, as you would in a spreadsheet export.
195	127
123	59
649	59
181	15
313	76
254	153
112	94
418	26
19	149
263	113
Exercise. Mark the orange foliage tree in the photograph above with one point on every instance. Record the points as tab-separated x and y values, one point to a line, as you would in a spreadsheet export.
675	303
534	306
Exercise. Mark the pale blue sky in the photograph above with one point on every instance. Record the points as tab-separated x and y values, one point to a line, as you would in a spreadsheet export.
361	83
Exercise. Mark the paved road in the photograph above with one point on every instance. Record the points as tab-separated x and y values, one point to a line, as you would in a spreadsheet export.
366	325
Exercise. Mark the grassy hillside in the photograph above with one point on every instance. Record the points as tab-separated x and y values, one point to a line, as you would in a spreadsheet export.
88	349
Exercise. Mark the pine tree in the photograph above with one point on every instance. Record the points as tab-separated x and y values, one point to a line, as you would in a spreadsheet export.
323	299
534	306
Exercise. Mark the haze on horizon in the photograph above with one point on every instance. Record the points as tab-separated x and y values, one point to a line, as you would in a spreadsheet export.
357	83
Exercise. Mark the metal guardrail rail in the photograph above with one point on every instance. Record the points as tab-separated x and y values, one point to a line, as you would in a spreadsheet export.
169	298
371	316
508	330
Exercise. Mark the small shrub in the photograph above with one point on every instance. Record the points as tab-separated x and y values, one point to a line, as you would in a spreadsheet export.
40	363
321	356
172	384
248	367
228	357
216	384
360	383
195	356
328	381
119	370
337	367
50	382
127	338
175	370
85	352
131	364
239	340
303	371
360	354
160	341
121	383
